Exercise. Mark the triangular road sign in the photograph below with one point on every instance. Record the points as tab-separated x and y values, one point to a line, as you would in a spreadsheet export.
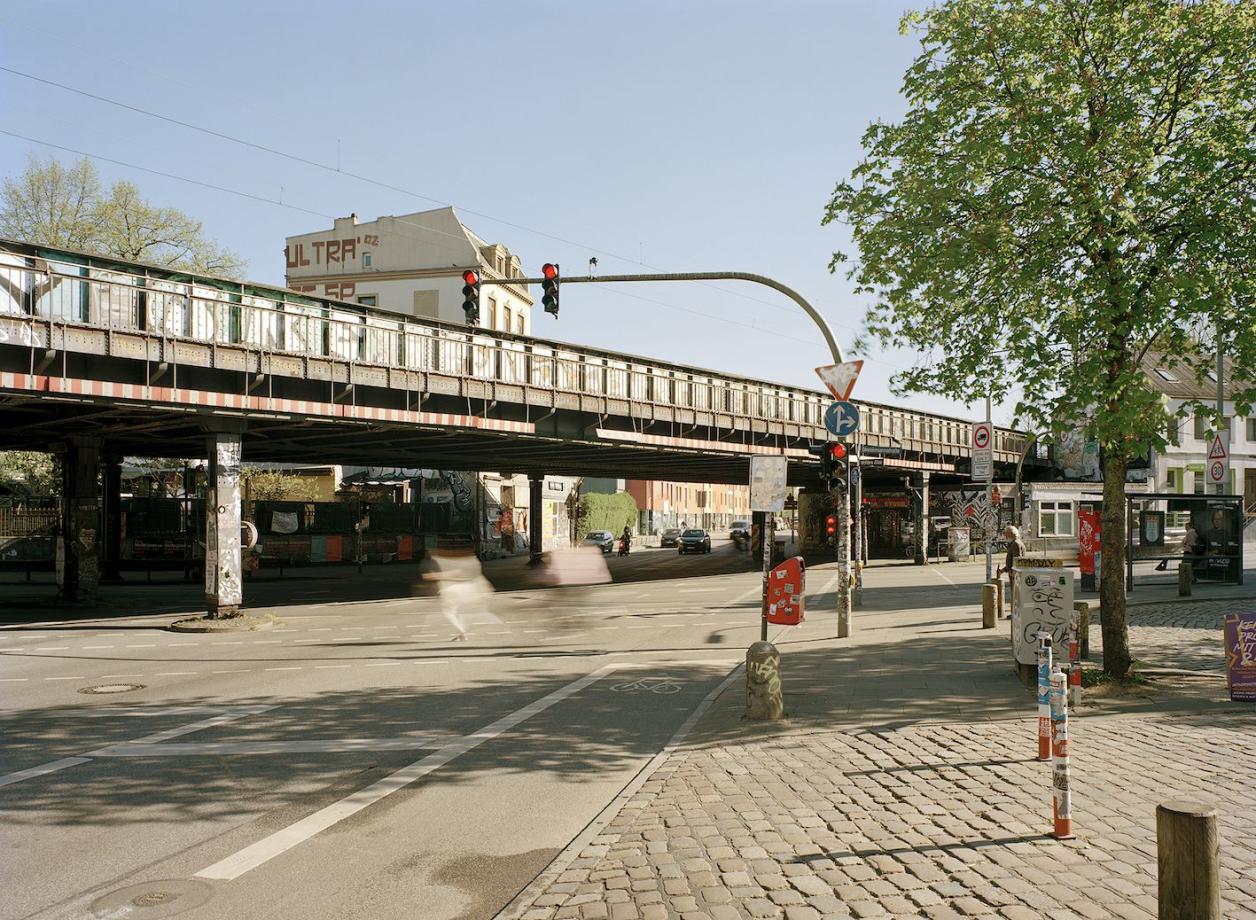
1218	450
840	378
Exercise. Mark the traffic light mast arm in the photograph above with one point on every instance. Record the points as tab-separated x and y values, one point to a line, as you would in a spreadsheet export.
789	292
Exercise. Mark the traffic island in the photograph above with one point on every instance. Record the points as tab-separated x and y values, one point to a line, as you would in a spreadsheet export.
241	622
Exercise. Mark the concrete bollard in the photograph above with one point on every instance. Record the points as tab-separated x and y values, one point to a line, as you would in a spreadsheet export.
987	607
764	697
1044	696
1083	627
1189	858
1184	579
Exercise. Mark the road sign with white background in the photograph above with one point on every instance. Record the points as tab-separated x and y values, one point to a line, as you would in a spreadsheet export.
842	418
1219	459
983	452
767	483
840	378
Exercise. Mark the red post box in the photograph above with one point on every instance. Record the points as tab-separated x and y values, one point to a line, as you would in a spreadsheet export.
786	583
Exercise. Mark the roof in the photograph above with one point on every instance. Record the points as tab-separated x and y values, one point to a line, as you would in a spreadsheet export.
1175	377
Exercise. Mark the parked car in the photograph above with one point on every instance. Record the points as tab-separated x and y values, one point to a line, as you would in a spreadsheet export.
739	529
694	540
670	537
602	539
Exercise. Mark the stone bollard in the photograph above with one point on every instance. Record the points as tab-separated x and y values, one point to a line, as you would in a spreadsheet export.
764	697
987	607
1083	627
1184	579
1189	858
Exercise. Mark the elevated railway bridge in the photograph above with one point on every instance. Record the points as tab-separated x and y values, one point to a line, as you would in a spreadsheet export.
102	355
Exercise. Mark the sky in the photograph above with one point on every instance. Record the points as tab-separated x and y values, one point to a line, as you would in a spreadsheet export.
654	135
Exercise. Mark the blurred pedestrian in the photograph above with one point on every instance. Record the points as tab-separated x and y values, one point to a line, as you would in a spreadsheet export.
462	587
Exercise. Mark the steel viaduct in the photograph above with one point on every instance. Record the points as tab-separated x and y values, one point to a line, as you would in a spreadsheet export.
101	356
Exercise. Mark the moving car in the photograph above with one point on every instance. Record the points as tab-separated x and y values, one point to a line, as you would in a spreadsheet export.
670	537
739	529
602	539
694	540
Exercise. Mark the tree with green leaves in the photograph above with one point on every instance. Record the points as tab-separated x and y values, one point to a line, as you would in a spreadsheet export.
52	204
1070	194
29	472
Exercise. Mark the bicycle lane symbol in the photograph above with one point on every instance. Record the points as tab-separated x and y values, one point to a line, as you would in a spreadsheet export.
648	685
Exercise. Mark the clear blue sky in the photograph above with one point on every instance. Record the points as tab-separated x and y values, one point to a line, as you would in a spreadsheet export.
686	136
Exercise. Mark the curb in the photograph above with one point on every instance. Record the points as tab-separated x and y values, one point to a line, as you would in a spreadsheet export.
524	900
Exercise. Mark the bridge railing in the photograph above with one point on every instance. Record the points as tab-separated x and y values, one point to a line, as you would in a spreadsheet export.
272	320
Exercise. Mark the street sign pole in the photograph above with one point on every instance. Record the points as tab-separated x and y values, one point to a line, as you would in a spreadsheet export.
993	520
856	470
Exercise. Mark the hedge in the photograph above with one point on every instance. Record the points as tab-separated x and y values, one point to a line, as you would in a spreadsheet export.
606	512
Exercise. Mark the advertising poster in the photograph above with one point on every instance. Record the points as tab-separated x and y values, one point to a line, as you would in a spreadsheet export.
1043	601
1088	546
1240	656
767	483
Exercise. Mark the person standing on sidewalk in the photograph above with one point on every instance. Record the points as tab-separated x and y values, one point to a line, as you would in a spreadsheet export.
1015	549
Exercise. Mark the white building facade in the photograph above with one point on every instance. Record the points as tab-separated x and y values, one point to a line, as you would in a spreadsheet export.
410	264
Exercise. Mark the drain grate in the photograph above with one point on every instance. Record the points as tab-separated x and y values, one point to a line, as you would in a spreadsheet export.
111	688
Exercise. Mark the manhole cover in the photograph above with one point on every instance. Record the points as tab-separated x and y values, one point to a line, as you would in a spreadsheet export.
151	900
111	688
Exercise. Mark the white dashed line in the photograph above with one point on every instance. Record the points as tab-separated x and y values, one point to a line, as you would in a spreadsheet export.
96	647
383	664
51	648
174	674
153	645
13	680
74	677
282	669
331	667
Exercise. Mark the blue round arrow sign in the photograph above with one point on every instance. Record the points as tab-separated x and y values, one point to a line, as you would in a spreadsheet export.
841	419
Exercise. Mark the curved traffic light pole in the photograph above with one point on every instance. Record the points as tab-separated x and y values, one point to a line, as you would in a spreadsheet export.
843	500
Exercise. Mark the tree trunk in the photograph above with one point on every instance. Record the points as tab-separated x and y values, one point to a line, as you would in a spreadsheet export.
1116	638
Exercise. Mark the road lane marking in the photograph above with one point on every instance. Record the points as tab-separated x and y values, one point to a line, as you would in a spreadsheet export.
94	647
294	668
174	674
228	671
72	677
151	645
306	746
12	680
295	834
41	770
935	571
330	667
51	648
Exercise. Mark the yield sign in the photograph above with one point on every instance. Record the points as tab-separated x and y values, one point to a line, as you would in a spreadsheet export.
840	378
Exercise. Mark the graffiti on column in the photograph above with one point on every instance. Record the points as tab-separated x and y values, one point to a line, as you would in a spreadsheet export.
462	497
230	592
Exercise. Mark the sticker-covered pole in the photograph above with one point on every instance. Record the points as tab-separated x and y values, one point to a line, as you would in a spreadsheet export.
1074	662
1044	696
1061	797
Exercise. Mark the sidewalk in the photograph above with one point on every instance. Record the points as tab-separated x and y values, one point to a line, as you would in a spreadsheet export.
905	784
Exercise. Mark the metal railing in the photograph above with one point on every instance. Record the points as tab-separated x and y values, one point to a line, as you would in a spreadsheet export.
120	297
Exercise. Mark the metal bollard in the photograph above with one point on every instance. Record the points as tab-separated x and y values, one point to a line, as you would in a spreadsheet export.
1185	577
1189	861
1061	797
764	697
1044	696
987	607
998	596
1074	666
1083	627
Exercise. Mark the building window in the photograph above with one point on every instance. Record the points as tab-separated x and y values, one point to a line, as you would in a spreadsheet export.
366	260
1201	427
1251	430
368	300
1173	480
1199	482
1165	375
519	323
492	313
1173	433
1055	519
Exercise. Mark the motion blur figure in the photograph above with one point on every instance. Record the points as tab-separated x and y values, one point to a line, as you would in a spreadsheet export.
463	589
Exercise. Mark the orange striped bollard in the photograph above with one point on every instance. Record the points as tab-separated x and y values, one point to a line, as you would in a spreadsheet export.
1061	797
1044	696
1074	665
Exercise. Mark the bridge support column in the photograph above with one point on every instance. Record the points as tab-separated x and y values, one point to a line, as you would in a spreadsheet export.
80	520
111	480
920	505
535	509
223	587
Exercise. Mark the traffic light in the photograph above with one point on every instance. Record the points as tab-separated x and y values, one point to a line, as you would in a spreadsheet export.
549	288
836	459
830	528
471	297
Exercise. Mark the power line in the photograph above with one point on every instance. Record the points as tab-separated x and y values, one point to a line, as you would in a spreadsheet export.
293	207
296	158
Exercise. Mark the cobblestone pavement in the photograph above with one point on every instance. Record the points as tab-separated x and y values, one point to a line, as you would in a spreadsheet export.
933	821
1177	635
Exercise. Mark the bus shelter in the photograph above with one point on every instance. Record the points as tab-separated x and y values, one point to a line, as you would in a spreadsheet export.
1158	525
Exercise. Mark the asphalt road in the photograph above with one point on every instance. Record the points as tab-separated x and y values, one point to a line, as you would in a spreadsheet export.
355	761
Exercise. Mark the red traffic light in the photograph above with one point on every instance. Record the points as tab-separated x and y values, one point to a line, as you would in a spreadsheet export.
837	451
549	270
470	277
830	524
